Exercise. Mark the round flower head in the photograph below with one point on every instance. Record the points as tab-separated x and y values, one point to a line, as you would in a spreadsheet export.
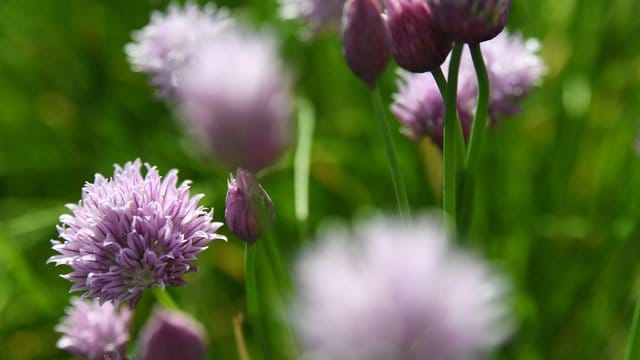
416	44
513	68
248	207
365	40
93	331
470	21
130	233
163	47
318	14
170	335
420	108
236	101
390	290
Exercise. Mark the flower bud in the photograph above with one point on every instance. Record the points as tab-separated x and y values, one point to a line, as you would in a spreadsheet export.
248	207
365	39
172	335
470	21
416	44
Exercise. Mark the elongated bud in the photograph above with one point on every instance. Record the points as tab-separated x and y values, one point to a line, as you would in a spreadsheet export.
470	21
365	39
416	44
248	207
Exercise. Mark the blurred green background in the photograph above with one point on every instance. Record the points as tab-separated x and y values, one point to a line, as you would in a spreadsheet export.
558	199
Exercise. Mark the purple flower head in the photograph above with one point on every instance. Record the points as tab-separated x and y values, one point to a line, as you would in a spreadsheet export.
248	207
170	335
236	101
130	233
513	67
163	47
416	44
93	331
470	21
390	290
420	108
365	40
319	15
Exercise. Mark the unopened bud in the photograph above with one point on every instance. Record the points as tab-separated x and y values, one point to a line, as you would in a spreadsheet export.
172	335
470	21
416	43
365	39
248	207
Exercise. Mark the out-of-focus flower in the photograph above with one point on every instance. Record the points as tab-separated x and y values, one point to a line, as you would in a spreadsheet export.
470	21
236	101
248	207
416	44
392	290
163	47
513	67
318	14
365	40
94	332
170	335
130	233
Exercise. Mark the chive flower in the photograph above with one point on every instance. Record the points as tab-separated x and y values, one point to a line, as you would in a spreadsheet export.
132	232
470	21
318	15
248	207
393	290
166	45
93	331
171	334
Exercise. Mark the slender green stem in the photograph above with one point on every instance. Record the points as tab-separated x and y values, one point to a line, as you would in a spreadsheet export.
302	162
438	76
163	297
480	121
274	255
394	167
253	304
475	141
450	134
632	351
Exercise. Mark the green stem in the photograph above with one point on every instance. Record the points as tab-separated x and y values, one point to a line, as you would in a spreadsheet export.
394	167
302	163
253	305
450	134
438	76
274	255
632	343
163	297
475	140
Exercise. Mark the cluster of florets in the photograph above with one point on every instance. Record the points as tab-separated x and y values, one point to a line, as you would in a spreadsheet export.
401	284
514	69
132	232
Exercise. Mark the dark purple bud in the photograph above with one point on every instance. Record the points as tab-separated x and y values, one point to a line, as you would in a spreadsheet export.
170	335
365	39
248	207
416	44
470	21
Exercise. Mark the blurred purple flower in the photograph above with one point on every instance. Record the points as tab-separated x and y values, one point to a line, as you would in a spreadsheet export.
248	207
513	67
470	21
318	14
236	101
170	335
163	47
130	233
390	290
94	332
